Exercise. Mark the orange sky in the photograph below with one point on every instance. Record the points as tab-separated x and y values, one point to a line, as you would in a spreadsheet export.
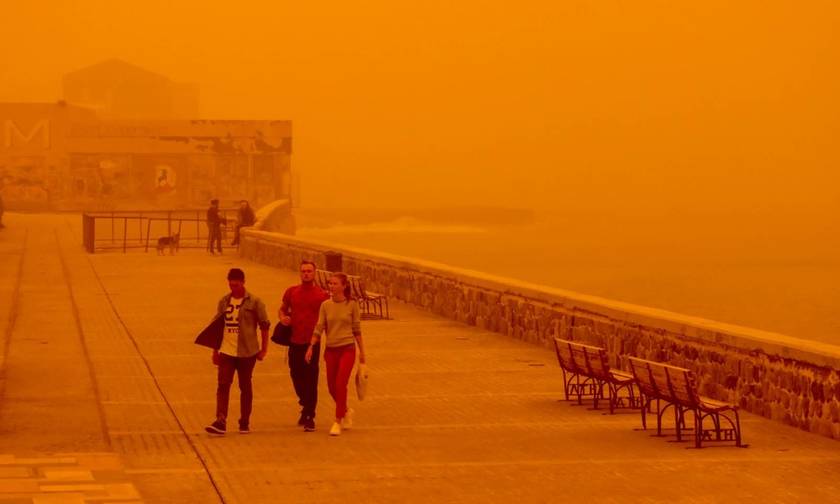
594	104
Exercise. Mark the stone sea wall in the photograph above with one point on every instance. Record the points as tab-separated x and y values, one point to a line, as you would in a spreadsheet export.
783	378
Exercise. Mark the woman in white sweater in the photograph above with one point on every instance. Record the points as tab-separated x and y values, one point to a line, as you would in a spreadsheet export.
339	316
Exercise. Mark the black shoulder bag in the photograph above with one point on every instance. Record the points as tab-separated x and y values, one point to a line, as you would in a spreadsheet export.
282	334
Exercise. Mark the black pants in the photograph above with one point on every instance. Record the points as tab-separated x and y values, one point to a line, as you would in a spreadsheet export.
214	237
305	376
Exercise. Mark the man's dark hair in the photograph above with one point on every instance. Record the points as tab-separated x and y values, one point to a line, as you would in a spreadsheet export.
306	261
236	274
214	202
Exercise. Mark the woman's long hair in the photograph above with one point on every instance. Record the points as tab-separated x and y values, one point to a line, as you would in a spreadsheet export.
346	283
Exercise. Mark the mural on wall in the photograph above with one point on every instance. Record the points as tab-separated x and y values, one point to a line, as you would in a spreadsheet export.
23	179
165	179
232	177
97	180
135	165
114	176
158	178
266	179
202	184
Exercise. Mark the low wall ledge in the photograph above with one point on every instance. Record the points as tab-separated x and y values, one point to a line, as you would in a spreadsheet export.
695	328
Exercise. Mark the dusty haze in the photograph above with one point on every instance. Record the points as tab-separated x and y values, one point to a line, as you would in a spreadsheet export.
579	104
713	122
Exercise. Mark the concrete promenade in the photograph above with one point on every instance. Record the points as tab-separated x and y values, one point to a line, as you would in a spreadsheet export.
104	397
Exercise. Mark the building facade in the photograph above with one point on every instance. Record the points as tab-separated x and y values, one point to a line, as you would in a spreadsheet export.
116	89
65	157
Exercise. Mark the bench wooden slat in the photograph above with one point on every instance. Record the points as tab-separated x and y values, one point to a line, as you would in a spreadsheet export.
677	387
322	279
621	375
591	363
709	403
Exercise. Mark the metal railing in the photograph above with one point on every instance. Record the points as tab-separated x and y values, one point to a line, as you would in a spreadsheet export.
141	229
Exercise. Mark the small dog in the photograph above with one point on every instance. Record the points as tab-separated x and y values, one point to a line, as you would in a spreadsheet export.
168	241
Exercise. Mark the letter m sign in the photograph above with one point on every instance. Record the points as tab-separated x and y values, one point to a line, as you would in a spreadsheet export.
13	136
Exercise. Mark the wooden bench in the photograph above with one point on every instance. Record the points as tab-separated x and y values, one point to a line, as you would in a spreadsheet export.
372	304
676	387
322	279
589	363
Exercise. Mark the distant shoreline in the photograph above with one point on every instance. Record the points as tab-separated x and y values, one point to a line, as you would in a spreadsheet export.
466	215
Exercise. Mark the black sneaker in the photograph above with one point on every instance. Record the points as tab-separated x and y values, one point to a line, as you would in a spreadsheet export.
217	427
244	428
302	419
309	424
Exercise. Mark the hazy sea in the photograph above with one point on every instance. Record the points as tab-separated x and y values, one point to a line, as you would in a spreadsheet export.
776	273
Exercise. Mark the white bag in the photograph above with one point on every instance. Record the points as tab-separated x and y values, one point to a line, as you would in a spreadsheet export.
361	381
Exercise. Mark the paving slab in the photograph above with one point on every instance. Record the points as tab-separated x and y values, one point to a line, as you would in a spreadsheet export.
455	414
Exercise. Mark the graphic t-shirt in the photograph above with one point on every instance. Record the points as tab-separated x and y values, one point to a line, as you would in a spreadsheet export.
230	342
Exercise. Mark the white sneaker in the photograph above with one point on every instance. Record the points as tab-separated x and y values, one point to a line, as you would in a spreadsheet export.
347	421
335	430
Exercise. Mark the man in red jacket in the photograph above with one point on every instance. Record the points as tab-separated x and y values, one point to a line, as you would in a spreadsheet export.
299	309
